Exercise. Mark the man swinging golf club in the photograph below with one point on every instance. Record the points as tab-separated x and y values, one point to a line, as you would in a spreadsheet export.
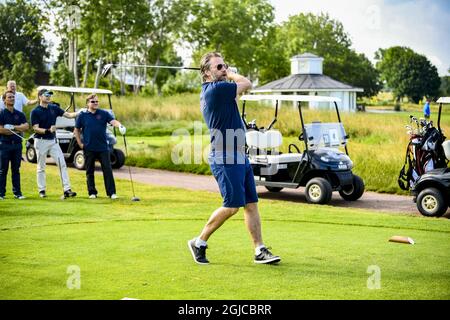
228	162
92	124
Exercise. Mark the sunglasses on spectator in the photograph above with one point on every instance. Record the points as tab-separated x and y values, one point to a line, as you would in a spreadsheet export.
93	101
220	66
47	94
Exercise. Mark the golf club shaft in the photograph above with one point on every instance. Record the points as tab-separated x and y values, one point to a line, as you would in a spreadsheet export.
17	134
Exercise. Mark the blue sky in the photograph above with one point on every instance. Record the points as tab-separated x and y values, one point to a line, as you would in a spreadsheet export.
422	25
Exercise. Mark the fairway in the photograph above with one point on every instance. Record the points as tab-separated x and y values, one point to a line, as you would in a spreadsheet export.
138	249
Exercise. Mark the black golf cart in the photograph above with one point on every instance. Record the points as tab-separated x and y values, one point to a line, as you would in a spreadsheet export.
321	166
64	132
431	190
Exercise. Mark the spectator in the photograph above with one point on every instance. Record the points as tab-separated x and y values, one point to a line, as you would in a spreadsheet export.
19	97
426	109
12	125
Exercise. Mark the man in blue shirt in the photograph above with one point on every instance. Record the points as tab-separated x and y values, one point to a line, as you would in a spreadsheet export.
43	119
12	125
92	124
229	165
426	109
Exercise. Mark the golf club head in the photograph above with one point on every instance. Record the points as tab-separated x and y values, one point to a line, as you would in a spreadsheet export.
134	199
106	69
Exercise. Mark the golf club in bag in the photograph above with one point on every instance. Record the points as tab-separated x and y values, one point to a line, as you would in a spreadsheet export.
129	170
423	153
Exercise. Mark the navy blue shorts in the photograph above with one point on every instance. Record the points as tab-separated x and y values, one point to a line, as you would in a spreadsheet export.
236	184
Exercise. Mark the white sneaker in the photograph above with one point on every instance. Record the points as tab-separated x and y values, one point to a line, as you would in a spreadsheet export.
92	196
2	198
114	196
20	197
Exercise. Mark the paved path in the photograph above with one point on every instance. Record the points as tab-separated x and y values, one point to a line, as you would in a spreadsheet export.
370	200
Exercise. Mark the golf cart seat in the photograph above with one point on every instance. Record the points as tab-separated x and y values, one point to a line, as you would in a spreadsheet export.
446	147
63	122
268	140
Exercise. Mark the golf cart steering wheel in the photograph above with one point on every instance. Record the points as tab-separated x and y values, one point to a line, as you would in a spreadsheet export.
296	148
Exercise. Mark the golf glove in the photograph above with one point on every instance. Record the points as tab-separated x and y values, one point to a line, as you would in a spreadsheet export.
122	130
8	126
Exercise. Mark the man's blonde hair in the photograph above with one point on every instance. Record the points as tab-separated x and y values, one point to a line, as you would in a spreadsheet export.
205	64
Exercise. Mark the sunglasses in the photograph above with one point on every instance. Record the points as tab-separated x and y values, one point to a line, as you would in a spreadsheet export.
47	95
93	101
220	66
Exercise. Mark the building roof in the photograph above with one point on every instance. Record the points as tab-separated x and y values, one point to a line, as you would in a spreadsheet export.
306	55
306	82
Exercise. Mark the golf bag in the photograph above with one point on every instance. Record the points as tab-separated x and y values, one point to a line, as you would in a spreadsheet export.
423	153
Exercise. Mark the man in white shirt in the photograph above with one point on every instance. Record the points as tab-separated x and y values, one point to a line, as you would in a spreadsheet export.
20	99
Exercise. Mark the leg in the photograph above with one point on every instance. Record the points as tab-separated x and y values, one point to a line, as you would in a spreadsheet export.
16	158
90	168
41	147
4	164
253	222
58	156
218	217
105	161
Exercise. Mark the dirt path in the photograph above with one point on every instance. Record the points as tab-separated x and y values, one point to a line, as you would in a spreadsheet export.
370	200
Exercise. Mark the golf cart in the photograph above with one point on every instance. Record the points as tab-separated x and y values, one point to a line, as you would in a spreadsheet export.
320	167
427	175
64	132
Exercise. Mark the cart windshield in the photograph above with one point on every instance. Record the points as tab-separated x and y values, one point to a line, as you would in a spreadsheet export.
330	135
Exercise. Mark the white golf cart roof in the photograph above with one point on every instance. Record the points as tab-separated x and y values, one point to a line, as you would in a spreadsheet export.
285	97
75	90
443	100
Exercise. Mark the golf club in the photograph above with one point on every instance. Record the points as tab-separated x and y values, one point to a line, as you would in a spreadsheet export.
129	170
63	197
110	65
17	134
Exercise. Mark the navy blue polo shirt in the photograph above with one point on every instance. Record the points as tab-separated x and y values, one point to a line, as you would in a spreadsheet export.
15	118
93	126
45	118
221	114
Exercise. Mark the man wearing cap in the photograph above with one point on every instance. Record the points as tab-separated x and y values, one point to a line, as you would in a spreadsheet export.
20	100
43	119
12	125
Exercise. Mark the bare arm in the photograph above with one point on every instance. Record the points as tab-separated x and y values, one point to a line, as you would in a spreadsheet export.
23	127
243	84
42	130
115	123
70	115
76	133
4	131
32	102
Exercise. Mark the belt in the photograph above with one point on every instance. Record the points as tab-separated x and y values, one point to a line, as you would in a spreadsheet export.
49	139
10	142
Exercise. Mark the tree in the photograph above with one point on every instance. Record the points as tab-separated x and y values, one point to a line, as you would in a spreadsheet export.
21	27
445	86
236	28
325	37
408	73
21	71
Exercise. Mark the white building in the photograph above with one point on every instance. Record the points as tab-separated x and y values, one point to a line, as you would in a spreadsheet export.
307	78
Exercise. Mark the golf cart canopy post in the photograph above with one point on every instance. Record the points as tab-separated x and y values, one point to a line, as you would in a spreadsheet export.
441	101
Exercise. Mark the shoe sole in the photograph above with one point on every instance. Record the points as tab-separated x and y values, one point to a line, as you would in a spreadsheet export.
193	253
273	260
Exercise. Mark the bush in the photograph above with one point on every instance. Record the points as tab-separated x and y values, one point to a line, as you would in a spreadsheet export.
181	83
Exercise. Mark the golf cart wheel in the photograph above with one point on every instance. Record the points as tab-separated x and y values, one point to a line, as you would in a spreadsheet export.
274	189
117	158
31	155
431	202
318	191
79	161
353	192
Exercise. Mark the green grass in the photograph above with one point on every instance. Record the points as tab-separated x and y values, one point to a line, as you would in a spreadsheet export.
138	249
